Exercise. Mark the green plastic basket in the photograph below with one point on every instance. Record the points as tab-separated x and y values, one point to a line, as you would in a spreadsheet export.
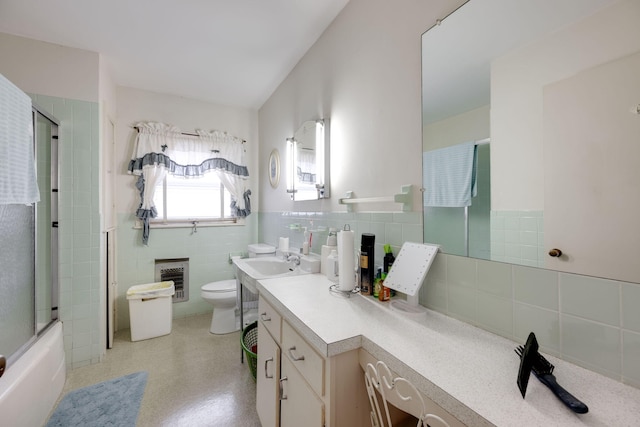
249	343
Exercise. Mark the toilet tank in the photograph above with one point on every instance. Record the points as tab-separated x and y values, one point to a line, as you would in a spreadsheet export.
261	250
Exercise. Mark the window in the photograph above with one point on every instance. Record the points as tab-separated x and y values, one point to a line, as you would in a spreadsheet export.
187	199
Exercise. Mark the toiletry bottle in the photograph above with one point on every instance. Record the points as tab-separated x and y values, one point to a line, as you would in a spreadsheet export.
385	293
305	242
376	283
388	258
366	263
332	266
332	238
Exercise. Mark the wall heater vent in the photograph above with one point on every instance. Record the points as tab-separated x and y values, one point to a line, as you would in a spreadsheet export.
176	269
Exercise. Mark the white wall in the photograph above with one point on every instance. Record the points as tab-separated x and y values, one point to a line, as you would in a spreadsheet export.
364	75
50	69
516	103
469	126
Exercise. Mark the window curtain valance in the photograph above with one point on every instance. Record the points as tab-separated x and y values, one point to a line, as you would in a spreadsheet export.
161	148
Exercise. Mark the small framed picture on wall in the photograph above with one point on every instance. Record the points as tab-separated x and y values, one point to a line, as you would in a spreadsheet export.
274	168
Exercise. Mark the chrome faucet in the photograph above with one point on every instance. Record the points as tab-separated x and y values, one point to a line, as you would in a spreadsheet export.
293	258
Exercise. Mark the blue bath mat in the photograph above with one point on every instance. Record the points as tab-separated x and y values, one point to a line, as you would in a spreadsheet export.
111	403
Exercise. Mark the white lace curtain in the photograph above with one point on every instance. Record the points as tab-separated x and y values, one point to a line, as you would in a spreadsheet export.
160	149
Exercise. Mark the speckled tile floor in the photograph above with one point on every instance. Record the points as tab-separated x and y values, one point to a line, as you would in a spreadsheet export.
195	378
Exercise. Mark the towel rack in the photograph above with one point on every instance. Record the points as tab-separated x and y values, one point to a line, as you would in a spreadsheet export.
405	197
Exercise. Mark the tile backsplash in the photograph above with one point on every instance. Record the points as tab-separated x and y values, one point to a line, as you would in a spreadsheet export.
592	322
392	228
588	321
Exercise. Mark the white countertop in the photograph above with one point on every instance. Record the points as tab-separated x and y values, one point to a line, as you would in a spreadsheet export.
469	372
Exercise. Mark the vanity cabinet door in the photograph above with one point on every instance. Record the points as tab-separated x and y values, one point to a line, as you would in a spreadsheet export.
300	406
267	379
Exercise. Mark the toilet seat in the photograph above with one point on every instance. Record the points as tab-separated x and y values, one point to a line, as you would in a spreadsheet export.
220	287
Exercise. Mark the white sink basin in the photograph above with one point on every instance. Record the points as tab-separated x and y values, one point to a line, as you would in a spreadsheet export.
249	270
266	267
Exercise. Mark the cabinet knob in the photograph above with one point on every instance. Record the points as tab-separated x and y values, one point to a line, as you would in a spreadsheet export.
264	317
556	253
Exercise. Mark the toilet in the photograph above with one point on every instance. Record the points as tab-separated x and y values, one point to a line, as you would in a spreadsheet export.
223	296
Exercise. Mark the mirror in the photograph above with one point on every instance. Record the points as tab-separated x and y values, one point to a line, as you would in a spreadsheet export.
552	87
307	170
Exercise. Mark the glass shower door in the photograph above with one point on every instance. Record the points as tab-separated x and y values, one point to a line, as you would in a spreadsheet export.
17	277
28	252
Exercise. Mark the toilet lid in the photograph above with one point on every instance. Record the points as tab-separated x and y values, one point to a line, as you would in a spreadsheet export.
221	286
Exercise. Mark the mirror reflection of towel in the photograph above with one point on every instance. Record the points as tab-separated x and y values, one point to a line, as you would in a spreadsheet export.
450	175
18	183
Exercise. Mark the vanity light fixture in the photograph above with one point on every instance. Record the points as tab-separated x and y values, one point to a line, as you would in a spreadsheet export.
291	161
320	158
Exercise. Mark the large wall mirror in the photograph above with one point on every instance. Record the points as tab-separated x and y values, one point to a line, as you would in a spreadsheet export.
307	162
548	92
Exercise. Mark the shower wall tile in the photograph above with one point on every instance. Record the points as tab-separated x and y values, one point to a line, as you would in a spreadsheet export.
78	214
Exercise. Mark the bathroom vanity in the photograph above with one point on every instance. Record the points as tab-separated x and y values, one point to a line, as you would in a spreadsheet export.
312	344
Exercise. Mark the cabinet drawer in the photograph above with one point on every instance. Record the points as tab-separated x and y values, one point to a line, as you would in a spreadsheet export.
270	318
309	363
299	405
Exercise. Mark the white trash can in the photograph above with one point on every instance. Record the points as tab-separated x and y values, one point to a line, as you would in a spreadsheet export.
150	310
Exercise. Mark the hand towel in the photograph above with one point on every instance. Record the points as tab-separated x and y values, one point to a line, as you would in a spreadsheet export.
450	175
18	183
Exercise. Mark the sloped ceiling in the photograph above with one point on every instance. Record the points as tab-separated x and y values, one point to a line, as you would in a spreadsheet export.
228	52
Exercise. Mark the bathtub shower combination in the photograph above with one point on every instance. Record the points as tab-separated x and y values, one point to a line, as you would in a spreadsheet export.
31	340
